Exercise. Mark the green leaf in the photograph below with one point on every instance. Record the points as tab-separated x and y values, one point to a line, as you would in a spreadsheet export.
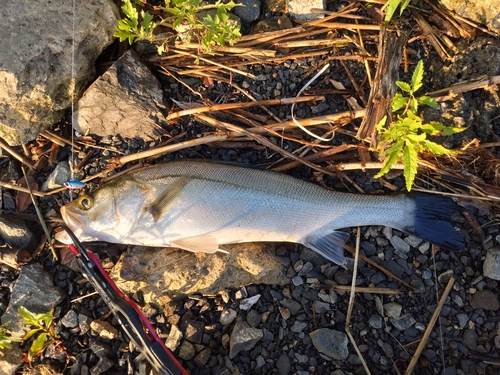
404	5
417	138
418	76
414	105
28	317
437	148
433	128
31	333
403	86
449	130
130	11
390	7
393	153
410	158
427	100
381	124
399	101
37	346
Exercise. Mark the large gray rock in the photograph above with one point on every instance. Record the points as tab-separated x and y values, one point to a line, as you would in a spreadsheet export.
35	290
163	274
126	100
483	11
36	60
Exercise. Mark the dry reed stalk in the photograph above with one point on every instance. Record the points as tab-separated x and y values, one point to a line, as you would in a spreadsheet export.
222	107
319	120
359	289
236	130
119	161
351	304
428	330
4	145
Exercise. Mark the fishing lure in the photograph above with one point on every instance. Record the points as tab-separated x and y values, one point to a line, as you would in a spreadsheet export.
74	185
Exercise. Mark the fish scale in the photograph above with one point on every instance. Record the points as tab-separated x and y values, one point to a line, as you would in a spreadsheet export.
199	205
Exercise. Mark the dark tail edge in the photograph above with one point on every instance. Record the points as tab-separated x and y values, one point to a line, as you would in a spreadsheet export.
433	215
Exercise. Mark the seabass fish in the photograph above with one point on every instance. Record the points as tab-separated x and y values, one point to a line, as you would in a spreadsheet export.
199	205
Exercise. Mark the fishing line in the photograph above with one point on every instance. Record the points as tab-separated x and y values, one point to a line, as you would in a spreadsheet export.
303	128
72	184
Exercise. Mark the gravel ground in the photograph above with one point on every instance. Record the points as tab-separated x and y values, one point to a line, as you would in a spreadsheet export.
298	328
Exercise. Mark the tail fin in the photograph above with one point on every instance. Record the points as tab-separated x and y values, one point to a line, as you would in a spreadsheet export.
433	221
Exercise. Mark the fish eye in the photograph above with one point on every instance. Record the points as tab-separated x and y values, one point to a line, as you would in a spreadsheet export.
85	202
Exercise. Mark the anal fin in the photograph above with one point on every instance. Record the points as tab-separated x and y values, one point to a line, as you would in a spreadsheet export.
204	244
330	245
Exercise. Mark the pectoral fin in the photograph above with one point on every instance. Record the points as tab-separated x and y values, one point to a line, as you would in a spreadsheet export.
205	244
166	199
330	246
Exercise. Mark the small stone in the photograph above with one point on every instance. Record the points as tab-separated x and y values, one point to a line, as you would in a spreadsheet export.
193	330
401	248
174	338
104	329
247	303
321	307
260	362
249	12
376	321
308	267
243	337
470	339
84	323
491	266
100	349
330	342
103	365
253	318
291	305
342	277
186	351
297	280
301	9
393	310
413	241
283	364
387	232
444	277
298	326
58	177
462	320
298	265
403	323
202	357
284	312
70	319
485	299
227	317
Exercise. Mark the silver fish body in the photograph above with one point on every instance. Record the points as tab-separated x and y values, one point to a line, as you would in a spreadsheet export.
199	205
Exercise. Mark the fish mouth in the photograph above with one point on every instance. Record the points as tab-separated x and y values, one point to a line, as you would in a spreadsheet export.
73	221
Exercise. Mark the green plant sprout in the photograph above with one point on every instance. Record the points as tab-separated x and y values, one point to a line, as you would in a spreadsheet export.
407	134
43	327
6	339
390	7
210	31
